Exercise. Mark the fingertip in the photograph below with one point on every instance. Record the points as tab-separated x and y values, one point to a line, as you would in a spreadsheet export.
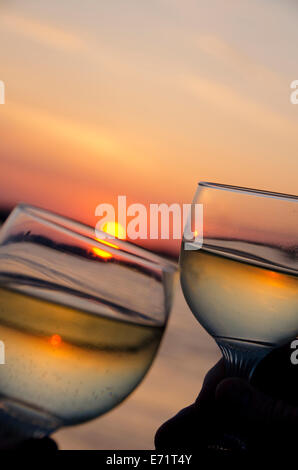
234	391
45	444
211	380
175	432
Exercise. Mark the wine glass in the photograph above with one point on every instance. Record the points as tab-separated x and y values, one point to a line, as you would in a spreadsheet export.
81	319
242	283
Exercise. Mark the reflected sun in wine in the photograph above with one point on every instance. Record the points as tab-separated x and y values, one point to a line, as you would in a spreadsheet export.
242	284
81	320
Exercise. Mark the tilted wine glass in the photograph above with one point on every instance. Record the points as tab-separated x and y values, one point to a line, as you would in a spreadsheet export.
81	320
242	283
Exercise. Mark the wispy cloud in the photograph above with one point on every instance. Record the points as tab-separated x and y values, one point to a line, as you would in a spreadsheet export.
97	141
41	32
237	105
223	51
88	47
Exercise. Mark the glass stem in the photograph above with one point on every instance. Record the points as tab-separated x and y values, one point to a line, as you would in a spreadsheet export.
18	422
241	357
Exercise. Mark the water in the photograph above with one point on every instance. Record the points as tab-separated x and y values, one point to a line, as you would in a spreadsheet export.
65	365
252	298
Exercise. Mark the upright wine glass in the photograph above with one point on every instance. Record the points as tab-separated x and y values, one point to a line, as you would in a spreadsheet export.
242	283
81	320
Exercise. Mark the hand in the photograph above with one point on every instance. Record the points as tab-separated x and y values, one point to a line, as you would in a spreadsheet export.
232	414
45	444
38	445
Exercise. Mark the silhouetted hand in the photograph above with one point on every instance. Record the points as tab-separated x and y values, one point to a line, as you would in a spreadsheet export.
45	444
38	445
231	415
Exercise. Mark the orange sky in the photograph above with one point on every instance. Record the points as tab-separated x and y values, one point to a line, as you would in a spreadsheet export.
145	99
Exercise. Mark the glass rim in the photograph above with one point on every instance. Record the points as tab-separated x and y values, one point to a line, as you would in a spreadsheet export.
69	224
251	191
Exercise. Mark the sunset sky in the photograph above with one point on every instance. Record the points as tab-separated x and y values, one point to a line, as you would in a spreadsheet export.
144	99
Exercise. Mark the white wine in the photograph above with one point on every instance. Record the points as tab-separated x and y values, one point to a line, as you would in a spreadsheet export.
66	364
240	279
81	320
239	298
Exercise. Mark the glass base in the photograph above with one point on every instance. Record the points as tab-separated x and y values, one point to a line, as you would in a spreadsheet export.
242	357
19	422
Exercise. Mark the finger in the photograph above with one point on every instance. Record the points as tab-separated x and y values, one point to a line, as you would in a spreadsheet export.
45	444
245	402
277	376
179	431
189	428
194	430
212	379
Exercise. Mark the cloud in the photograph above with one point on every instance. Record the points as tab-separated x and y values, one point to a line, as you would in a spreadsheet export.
237	105
115	59
42	32
95	140
221	50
